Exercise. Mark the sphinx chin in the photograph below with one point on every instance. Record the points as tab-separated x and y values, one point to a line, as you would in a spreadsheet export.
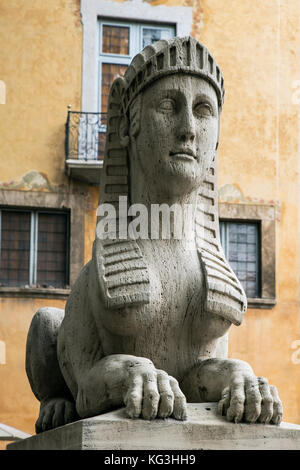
181	177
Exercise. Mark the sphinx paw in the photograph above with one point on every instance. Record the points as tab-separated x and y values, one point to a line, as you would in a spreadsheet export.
55	412
251	399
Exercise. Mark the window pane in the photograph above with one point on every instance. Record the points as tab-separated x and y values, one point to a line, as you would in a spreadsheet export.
52	250
241	246
115	40
108	74
15	248
151	35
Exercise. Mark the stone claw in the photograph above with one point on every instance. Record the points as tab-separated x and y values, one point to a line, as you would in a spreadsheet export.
250	399
54	413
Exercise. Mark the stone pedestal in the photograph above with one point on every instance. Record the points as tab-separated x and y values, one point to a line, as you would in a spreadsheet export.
204	429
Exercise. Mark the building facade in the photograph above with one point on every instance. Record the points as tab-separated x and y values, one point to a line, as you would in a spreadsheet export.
58	59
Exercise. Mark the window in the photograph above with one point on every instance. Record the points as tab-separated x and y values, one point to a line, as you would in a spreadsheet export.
118	43
113	32
240	242
34	248
122	21
248	239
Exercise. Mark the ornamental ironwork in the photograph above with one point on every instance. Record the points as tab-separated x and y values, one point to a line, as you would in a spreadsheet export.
85	135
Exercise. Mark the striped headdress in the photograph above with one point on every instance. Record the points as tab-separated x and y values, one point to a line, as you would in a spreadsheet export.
121	267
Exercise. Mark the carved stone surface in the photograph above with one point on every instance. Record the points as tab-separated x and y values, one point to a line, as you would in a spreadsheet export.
146	323
203	429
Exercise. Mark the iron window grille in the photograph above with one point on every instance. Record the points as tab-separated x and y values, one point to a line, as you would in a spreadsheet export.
34	248
241	245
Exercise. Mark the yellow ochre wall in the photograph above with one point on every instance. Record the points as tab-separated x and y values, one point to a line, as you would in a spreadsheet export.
257	47
40	57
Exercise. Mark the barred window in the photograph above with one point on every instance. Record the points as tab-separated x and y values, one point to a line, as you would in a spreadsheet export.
15	248
241	245
34	248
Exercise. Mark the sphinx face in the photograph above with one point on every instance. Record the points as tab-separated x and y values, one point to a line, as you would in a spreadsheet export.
178	132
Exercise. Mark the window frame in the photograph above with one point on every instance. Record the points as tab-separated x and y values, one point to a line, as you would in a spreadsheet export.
265	214
224	236
45	201
33	250
135	46
142	12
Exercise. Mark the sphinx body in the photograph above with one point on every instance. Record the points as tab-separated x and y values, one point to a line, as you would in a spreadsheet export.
146	323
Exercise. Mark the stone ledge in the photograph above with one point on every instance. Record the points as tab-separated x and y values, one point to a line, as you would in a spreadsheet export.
35	292
203	429
87	171
261	303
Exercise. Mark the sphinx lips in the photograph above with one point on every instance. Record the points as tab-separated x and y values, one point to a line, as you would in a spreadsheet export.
183	154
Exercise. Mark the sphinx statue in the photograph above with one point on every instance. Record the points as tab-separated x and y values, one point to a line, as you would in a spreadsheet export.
146	324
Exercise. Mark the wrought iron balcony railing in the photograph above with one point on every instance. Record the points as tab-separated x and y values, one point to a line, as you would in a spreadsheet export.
85	135
84	145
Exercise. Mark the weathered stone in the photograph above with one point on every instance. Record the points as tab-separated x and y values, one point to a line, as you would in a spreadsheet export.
146	323
203	429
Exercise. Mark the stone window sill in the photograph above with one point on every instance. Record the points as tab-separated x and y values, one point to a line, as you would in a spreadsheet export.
261	303
34	292
52	293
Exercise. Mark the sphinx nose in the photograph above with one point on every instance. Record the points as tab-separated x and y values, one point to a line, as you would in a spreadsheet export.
187	129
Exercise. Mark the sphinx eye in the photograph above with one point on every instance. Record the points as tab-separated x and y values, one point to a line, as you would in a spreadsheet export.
167	105
203	109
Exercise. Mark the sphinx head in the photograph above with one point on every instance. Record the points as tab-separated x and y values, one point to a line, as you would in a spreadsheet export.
163	120
172	101
175	141
163	124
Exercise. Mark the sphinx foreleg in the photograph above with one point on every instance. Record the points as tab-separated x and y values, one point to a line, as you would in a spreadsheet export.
43	371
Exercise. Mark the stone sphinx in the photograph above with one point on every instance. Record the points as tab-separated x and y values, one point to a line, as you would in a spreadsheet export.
146	323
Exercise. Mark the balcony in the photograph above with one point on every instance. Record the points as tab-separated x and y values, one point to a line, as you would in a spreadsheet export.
85	142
